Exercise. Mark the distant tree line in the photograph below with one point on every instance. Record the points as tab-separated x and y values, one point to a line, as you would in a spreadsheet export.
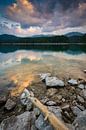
46	39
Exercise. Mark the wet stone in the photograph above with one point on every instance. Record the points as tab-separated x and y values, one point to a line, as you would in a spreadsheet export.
76	110
81	86
73	82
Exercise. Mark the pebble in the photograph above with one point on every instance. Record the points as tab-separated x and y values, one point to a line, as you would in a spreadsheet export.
51	103
63	100
66	107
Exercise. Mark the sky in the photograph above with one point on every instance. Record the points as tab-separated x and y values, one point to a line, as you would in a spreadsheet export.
47	17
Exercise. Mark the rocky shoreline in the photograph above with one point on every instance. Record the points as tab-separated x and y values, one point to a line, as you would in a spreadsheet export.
65	98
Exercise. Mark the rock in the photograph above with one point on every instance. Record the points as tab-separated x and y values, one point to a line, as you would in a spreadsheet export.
81	86
29	106
59	97
84	93
10	104
76	110
3	100
84	71
66	107
70	127
73	82
85	86
44	100
33	127
36	111
63	100
51	103
24	97
80	122
80	107
51	91
49	127
21	122
80	99
44	75
40	123
53	82
56	110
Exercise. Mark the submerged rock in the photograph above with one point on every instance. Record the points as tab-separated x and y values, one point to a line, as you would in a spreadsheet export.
80	121
44	75
73	82
10	104
54	82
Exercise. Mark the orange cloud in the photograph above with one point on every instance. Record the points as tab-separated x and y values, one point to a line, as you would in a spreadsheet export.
24	12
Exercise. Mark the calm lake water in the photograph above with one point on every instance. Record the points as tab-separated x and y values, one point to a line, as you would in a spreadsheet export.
24	62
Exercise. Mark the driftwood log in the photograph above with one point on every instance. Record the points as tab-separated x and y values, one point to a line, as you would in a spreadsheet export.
54	121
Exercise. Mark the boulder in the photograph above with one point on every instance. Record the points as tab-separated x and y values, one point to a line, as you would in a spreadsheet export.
80	121
73	82
21	122
54	82
10	104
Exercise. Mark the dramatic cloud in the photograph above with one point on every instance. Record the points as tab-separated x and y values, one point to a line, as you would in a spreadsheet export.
45	16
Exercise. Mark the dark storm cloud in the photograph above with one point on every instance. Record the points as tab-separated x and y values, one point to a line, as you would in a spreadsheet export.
45	15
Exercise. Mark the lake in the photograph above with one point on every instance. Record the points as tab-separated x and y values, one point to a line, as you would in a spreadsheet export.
22	63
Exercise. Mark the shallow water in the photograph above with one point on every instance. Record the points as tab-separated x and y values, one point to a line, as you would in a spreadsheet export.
20	64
